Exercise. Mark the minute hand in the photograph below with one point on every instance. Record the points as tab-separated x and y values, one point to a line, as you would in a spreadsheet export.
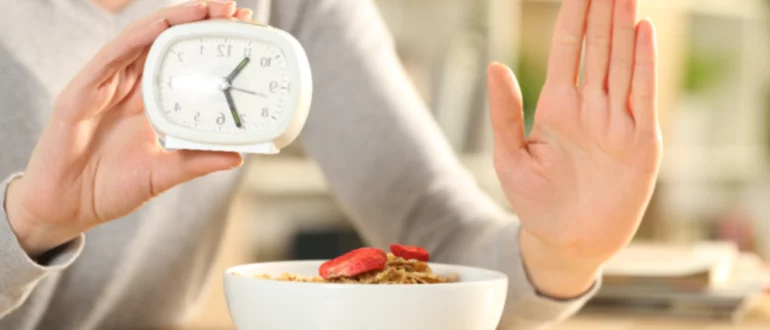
233	111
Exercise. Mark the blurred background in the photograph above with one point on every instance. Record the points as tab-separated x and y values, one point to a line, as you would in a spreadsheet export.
702	248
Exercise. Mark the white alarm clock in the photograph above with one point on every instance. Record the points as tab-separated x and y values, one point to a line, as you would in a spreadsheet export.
226	85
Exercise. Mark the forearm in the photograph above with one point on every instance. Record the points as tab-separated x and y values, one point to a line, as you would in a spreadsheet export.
28	237
35	239
554	273
19	273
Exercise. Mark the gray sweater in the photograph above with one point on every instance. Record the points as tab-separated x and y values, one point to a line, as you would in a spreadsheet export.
383	155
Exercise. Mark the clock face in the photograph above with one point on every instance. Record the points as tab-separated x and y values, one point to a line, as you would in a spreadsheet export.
223	84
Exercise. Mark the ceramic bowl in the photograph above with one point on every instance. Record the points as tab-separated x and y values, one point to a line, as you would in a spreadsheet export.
475	302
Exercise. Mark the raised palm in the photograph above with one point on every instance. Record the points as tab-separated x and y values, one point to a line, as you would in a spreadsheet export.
581	181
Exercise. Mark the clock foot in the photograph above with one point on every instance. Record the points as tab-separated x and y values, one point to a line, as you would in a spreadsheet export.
172	143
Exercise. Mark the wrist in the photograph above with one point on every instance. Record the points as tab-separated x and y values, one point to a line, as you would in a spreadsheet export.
34	237
555	271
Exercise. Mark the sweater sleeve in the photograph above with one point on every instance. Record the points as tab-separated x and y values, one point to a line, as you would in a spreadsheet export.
387	161
19	274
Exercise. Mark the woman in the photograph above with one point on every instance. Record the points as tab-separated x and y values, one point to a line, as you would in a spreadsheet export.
579	183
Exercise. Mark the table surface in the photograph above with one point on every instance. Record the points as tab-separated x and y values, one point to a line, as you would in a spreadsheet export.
625	322
608	322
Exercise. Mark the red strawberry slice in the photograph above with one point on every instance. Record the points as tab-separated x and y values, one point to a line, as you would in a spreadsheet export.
353	263
410	252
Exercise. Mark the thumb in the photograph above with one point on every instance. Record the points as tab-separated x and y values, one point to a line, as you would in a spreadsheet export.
180	166
506	108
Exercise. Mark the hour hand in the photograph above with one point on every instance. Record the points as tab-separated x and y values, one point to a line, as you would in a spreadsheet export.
233	111
238	69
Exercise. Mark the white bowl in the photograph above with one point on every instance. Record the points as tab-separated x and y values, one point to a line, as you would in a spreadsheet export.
474	303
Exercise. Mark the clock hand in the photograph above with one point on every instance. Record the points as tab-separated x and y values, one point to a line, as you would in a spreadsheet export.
238	69
247	91
233	111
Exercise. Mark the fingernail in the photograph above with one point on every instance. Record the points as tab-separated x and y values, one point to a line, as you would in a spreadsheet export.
197	4
248	12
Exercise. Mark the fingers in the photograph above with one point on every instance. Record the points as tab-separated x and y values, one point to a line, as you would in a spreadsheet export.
598	41
142	33
220	9
196	10
135	38
506	108
622	55
176	167
567	43
116	55
132	72
644	85
244	14
180	14
128	47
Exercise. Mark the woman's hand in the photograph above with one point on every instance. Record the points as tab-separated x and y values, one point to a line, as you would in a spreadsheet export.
582	180
98	158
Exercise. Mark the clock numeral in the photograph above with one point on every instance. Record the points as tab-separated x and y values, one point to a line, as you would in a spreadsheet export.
169	83
225	51
221	119
243	118
265	112
273	86
177	107
197	117
202	46
179	56
247	52
266	62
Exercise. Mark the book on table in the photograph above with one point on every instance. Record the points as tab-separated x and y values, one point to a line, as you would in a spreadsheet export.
703	280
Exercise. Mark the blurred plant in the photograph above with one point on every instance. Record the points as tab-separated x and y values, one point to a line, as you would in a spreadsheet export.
531	78
703	70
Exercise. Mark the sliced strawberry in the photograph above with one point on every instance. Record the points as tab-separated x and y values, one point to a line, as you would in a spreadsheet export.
353	263
410	252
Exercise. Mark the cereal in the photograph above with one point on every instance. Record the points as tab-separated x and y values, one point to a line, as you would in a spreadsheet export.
397	271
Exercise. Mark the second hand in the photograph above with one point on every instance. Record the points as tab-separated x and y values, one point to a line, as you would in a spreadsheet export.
248	91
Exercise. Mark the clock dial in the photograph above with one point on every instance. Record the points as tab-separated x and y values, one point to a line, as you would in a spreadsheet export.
203	83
